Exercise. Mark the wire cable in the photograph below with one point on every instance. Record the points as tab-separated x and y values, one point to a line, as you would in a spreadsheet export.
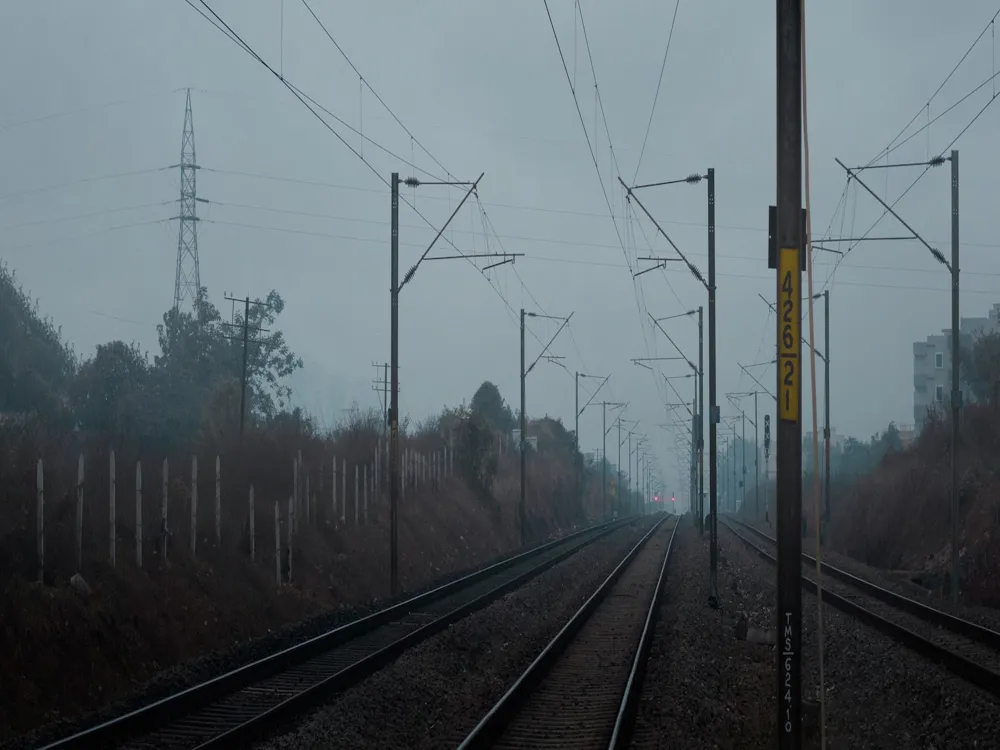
656	96
812	378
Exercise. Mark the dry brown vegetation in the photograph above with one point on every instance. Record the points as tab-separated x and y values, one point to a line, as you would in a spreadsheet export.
137	622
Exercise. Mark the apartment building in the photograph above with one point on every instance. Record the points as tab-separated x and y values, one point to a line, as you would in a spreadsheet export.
932	364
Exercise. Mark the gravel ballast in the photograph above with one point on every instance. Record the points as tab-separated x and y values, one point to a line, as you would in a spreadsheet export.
705	688
204	668
900	583
434	694
879	694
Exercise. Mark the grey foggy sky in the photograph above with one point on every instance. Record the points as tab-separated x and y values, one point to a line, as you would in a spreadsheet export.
482	87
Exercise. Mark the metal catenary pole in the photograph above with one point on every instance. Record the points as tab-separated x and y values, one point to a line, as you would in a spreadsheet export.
789	380
701	425
604	460
394	391
713	407
956	393
756	462
523	437
576	434
826	400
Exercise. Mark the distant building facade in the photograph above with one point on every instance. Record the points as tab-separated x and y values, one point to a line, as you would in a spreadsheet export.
932	364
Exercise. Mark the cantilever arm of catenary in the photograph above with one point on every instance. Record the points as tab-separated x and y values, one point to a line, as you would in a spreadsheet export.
546	347
934	251
691	267
594	395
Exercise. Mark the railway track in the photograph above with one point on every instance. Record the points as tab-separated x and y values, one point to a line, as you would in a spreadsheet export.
245	704
968	649
582	689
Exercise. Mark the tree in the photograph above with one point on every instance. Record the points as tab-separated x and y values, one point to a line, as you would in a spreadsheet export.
108	391
489	404
981	367
197	375
474	450
35	365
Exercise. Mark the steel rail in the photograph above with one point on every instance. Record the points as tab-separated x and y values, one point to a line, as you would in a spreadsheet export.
621	735
499	717
187	703
965	668
970	630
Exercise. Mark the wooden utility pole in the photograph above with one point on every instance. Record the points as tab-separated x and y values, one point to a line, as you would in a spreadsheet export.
245	337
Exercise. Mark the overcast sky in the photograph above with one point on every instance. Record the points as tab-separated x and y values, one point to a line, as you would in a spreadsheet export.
96	89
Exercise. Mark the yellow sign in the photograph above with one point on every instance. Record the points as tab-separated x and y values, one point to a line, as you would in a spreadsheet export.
789	334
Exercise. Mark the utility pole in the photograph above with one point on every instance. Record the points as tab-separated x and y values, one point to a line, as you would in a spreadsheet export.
701	425
521	512
756	461
954	271
394	288
789	296
578	411
394	389
522	509
604	454
956	393
245	338
713	407
743	479
714	412
826	400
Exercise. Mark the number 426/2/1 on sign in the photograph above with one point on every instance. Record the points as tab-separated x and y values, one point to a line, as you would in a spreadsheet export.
789	338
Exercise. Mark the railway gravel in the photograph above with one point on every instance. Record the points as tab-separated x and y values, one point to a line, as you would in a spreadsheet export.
902	582
879	694
704	688
199	670
432	696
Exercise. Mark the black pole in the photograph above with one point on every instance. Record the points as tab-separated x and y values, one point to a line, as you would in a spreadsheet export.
743	477
618	466
826	397
524	429
701	425
756	461
956	394
243	390
578	458
713	409
604	460
789	381
394	394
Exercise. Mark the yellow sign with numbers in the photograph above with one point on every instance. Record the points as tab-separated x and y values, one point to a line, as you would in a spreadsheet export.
789	334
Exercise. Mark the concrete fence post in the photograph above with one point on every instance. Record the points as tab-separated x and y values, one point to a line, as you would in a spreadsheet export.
111	509
40	519
194	505
218	502
79	513
138	514
253	534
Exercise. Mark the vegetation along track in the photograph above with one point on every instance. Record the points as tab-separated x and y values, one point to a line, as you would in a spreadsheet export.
242	705
581	690
969	650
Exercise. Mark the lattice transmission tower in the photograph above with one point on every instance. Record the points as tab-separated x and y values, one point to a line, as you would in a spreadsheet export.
187	281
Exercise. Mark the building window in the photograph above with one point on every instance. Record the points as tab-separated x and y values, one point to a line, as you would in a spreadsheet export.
939	393
939	360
